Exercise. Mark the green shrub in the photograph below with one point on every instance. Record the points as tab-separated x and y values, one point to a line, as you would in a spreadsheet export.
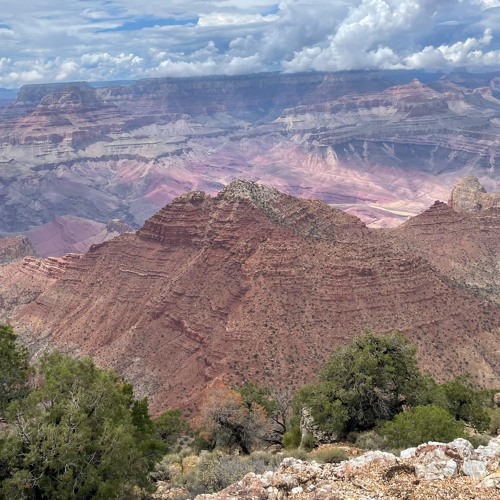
216	471
363	383
291	439
419	425
199	443
264	459
78	434
466	402
298	453
260	462
331	456
170	426
494	414
167	468
371	440
14	368
308	442
479	440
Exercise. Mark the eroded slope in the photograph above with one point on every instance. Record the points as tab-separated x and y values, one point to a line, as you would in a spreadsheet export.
254	285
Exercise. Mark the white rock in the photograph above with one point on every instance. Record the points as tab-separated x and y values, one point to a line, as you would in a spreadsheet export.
297	490
491	481
475	469
462	447
436	470
490	454
408	453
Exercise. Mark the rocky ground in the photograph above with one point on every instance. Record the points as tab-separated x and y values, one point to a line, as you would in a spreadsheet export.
431	471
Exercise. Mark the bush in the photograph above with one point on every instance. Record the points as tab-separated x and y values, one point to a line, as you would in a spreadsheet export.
371	440
291	438
366	381
14	368
216	471
479	440
167	468
419	425
200	443
494	414
79	434
331	456
229	423
308	442
298	453
170	426
466	402
260	462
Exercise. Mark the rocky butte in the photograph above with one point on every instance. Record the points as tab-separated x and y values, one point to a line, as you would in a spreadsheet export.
254	284
382	145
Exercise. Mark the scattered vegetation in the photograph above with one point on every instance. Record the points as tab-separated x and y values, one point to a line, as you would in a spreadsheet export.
77	434
376	379
419	425
371	440
69	429
330	456
14	369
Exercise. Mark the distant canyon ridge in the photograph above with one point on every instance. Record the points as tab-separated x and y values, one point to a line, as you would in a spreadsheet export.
80	163
254	284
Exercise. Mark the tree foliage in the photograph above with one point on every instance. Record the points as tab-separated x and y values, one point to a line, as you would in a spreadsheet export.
230	422
169	426
14	368
80	434
419	425
276	402
465	402
368	380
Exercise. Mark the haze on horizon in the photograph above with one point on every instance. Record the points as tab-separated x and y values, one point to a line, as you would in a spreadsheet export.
102	40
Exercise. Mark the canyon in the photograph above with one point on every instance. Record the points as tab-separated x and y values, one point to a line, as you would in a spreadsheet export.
255	284
381	145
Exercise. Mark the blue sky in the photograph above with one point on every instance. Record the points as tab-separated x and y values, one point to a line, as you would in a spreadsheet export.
95	40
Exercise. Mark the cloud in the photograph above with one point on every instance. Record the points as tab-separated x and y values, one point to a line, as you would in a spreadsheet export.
129	39
392	34
466	53
232	18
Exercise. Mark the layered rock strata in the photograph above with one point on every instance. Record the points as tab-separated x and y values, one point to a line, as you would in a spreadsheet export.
382	145
257	285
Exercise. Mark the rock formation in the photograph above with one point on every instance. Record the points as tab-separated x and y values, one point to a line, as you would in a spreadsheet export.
461	240
432	470
254	284
469	196
15	248
70	234
382	145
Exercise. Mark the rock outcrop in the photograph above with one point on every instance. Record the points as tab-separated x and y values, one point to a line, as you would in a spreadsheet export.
254	284
432	470
462	242
469	196
15	248
23	280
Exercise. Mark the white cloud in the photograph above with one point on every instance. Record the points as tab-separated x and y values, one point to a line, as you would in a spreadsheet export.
232	18
466	53
383	34
95	40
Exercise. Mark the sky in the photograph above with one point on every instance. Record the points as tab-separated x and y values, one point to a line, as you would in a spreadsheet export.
102	40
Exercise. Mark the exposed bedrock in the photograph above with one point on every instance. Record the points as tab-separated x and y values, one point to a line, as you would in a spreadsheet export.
380	145
254	284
